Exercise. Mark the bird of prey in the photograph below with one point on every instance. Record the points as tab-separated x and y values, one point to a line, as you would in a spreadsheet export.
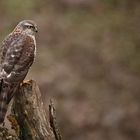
17	55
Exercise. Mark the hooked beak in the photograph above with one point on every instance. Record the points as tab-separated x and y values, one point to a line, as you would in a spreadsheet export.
35	29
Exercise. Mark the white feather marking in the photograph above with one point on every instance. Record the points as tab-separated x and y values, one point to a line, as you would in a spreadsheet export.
3	72
9	75
12	55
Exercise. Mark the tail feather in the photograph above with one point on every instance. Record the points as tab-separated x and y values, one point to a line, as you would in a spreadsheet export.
3	105
6	93
4	89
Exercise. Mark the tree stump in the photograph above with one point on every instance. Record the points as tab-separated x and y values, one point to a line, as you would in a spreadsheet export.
26	117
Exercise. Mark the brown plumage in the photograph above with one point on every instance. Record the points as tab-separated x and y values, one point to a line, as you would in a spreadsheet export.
17	55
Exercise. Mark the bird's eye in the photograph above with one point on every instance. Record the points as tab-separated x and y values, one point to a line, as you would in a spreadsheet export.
29	27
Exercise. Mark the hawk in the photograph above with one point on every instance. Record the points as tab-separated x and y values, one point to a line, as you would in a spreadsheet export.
17	55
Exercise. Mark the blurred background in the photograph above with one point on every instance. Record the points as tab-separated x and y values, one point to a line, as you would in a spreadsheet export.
88	62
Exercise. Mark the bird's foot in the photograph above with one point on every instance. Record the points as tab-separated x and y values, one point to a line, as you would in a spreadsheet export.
27	82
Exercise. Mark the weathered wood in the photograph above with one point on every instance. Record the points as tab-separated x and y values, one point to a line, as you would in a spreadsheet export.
53	122
28	117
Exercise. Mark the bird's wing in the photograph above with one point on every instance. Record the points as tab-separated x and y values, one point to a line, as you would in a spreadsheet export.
18	55
12	50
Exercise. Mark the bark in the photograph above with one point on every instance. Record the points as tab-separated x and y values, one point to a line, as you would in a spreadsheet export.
27	119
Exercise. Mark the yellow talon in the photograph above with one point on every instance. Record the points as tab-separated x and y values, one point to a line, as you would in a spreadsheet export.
27	82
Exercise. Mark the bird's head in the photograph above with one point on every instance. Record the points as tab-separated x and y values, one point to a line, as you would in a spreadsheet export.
27	26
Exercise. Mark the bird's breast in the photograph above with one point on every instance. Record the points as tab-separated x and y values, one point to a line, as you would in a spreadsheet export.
34	42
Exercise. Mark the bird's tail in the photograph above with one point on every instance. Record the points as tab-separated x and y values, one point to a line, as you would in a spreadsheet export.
3	102
3	107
